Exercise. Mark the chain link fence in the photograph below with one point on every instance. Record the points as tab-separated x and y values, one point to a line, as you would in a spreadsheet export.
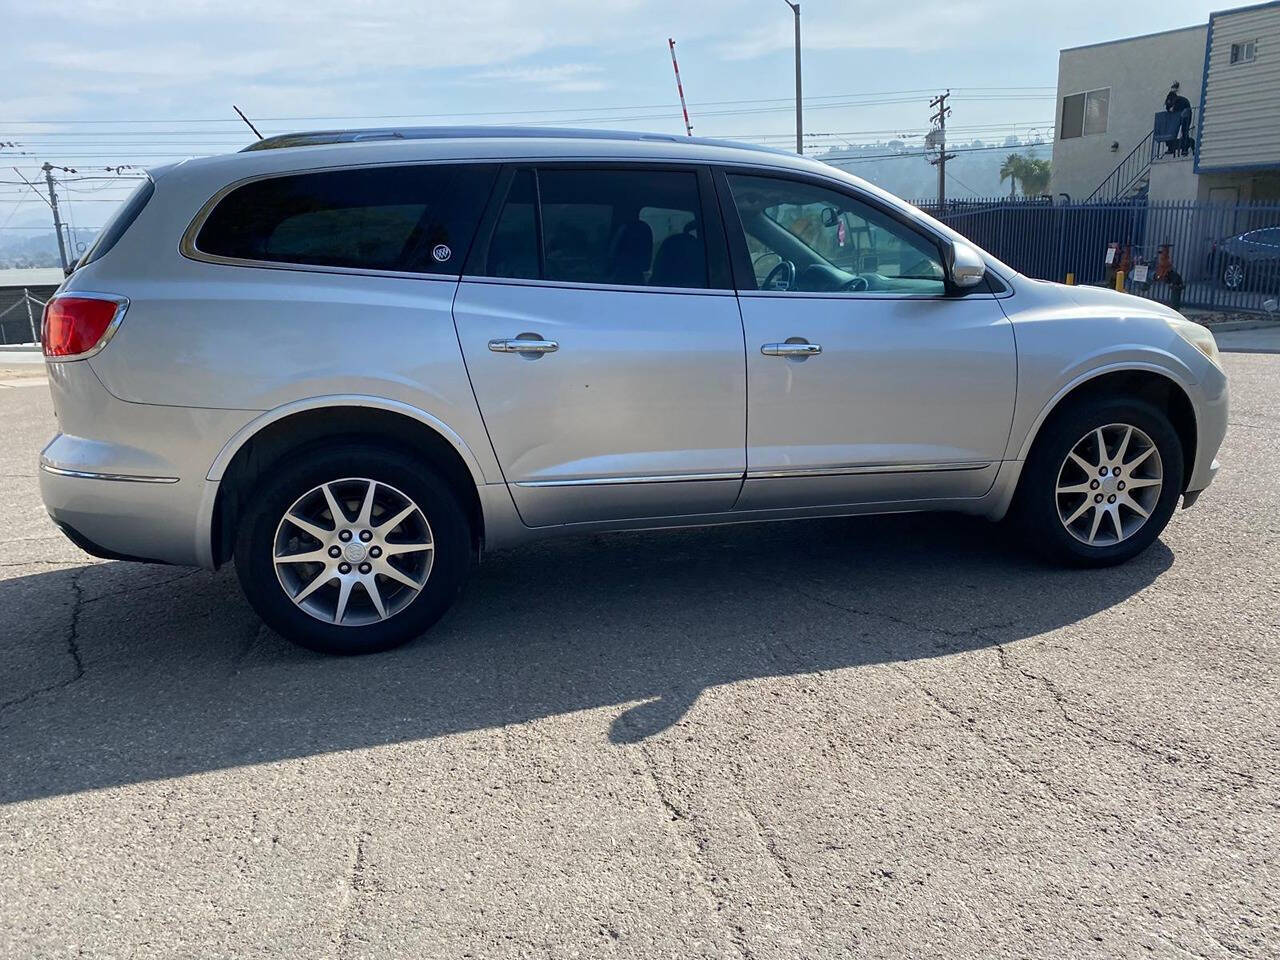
20	313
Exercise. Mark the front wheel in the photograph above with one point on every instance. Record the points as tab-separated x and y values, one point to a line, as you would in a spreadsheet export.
1102	481
1233	275
352	549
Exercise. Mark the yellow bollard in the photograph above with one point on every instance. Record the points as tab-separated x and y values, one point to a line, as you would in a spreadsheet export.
1120	280
1071	279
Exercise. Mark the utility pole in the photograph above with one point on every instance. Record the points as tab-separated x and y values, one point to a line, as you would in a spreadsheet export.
57	221
938	136
795	9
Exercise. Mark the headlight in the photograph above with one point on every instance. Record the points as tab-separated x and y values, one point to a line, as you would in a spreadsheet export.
1198	336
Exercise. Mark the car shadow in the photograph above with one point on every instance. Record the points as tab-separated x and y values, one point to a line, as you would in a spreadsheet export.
119	673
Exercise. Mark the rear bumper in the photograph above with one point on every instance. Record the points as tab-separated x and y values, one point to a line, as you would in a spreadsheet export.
123	517
128	480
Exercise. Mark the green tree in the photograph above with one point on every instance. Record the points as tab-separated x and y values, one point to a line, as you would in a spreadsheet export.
1031	173
1035	177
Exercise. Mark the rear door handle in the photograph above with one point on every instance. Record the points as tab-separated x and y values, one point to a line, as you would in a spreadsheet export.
517	345
791	349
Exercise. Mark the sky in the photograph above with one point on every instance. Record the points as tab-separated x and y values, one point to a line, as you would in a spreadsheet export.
93	84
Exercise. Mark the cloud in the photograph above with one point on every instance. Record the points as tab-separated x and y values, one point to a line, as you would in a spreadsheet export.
564	78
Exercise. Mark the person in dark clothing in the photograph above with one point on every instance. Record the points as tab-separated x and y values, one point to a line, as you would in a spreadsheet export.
1177	104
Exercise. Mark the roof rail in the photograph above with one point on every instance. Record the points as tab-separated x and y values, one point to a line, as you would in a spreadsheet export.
319	137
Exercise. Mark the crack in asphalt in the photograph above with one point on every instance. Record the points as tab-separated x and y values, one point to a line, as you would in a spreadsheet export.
72	640
358	884
695	845
146	586
1060	700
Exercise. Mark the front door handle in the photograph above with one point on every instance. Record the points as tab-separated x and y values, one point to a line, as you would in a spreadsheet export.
519	345
790	349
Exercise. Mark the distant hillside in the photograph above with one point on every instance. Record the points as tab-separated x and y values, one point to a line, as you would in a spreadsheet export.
975	172
41	250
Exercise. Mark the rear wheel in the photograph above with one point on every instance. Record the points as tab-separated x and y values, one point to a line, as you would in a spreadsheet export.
352	549
1101	483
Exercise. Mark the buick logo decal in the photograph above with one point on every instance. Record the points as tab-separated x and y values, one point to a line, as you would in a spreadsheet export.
441	253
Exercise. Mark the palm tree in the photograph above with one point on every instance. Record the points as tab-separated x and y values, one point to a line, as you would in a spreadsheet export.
1031	172
1011	170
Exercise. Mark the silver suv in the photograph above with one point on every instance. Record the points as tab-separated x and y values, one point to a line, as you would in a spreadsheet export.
351	361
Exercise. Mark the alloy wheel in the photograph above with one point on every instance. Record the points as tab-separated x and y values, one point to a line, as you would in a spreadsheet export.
1233	276
1109	484
353	551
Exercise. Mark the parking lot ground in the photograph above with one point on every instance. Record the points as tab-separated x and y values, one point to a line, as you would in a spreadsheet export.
891	737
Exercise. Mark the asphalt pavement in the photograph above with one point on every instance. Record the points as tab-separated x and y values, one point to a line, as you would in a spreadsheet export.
882	737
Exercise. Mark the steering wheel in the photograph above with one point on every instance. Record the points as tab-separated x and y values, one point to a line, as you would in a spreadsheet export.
856	285
781	278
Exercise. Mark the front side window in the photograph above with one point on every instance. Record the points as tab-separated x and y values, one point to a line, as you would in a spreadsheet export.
623	227
417	219
1084	114
803	238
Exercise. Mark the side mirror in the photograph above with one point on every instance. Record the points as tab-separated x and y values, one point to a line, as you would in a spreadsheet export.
965	265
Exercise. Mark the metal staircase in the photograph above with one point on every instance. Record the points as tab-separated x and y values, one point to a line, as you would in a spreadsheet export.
1130	177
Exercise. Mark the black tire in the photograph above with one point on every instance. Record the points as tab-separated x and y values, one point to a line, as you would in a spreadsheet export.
283	485
1036	504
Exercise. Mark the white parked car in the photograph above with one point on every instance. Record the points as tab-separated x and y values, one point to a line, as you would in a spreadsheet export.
351	361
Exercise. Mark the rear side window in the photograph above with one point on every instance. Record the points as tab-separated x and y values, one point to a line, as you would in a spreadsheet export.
625	227
417	219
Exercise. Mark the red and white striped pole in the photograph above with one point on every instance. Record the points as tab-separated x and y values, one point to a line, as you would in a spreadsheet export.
679	87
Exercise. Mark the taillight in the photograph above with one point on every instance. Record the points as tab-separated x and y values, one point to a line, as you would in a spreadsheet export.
76	327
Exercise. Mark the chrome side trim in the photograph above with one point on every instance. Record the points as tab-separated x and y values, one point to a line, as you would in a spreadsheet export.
867	468
608	481
611	287
122	305
114	477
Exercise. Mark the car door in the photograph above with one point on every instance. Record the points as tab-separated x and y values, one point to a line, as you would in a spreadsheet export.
604	343
869	380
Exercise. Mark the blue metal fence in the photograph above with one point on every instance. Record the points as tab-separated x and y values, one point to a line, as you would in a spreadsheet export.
1209	256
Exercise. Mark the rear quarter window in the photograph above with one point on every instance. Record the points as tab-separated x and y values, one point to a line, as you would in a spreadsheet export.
416	219
121	221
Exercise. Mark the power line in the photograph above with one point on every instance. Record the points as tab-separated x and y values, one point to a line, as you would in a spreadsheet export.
984	93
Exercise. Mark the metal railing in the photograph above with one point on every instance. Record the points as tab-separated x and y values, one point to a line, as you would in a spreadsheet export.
15	330
1130	174
1195	254
1126	175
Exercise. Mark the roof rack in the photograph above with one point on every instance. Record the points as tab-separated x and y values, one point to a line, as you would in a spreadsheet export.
320	137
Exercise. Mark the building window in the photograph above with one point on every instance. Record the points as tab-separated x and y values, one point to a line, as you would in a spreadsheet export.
1244	51
1084	114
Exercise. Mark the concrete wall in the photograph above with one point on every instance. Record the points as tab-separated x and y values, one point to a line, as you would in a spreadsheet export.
1240	126
1139	71
1173	179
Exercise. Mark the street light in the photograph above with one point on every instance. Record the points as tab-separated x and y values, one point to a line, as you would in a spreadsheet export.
795	9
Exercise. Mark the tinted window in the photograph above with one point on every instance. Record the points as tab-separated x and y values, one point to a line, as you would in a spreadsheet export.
808	239
513	251
628	227
119	223
419	219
